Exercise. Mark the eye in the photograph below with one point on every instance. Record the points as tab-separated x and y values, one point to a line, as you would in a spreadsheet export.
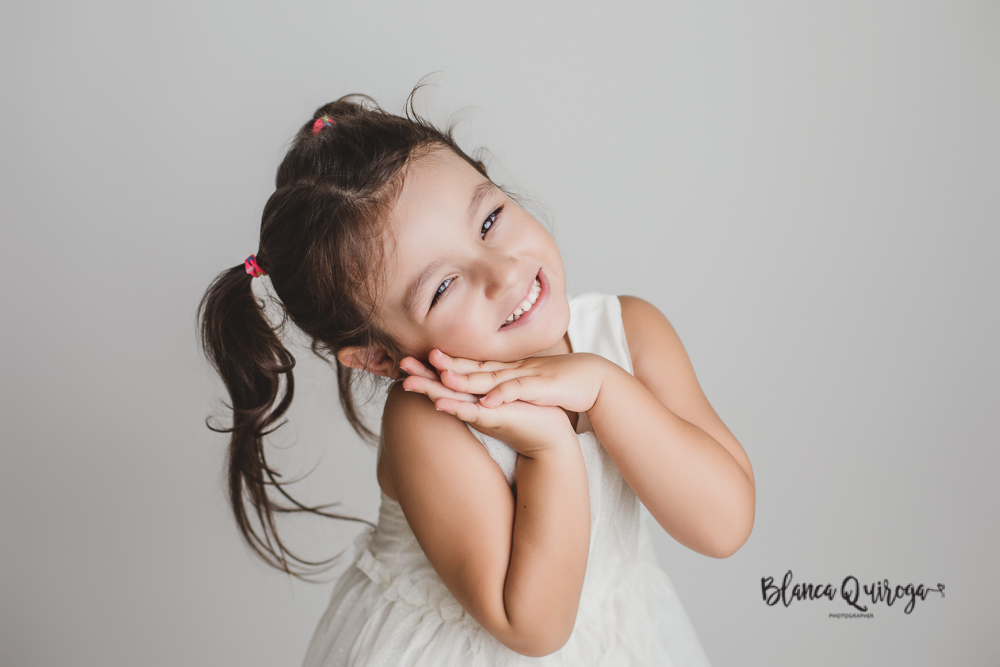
441	290
491	220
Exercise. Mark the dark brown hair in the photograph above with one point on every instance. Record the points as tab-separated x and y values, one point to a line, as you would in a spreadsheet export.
321	245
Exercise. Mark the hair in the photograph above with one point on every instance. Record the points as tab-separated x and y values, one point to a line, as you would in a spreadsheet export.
321	245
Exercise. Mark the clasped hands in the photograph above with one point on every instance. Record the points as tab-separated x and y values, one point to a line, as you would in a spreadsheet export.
519	402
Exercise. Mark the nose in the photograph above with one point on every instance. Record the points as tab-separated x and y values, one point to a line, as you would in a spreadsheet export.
500	275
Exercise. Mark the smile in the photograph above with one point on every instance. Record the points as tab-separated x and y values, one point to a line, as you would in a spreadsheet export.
526	304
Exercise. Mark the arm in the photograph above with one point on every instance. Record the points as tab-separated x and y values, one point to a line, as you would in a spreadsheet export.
516	568
658	427
668	443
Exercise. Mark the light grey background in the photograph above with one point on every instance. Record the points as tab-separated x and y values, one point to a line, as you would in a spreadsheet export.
807	190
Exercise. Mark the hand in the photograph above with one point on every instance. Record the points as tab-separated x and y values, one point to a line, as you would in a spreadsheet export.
569	381
427	381
525	427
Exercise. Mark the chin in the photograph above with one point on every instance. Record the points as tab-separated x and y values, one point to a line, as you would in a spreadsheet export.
554	332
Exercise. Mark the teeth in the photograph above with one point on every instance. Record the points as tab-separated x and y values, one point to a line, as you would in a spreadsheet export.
526	305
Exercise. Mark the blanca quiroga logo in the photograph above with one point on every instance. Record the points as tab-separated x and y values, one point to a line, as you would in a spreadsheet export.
860	597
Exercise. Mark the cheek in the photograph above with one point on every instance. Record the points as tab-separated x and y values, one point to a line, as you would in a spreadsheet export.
464	348
546	245
463	337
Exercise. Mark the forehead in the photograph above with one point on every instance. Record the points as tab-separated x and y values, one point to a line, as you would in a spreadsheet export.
433	183
437	193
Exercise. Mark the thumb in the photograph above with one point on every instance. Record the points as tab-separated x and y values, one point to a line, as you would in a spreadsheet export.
470	413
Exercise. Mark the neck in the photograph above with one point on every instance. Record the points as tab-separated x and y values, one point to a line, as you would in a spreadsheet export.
562	347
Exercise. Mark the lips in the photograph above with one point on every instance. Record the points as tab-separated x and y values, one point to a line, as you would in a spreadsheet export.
531	302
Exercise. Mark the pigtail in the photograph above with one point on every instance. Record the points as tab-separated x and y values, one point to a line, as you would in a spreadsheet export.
250	358
321	238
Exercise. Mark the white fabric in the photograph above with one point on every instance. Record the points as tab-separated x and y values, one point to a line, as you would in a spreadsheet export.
391	608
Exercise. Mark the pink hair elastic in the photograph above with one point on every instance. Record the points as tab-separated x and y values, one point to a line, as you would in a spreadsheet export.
253	268
321	122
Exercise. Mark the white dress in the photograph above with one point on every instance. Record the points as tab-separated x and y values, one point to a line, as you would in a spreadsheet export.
390	608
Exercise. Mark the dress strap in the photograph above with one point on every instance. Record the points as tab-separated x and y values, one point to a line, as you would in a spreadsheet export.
596	326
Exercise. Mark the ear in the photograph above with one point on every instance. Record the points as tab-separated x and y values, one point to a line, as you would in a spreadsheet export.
372	359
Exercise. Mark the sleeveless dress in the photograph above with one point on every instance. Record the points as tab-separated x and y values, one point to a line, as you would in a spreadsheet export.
390	608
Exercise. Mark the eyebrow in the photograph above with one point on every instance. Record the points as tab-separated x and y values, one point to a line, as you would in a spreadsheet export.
416	288
479	194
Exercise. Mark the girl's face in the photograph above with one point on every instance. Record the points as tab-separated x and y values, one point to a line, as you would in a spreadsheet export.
462	258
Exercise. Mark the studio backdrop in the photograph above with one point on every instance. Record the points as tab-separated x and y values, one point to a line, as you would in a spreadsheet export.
806	190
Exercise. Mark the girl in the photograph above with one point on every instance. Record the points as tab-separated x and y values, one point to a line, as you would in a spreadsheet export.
522	429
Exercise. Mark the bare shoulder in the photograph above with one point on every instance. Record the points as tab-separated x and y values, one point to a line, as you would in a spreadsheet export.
455	499
651	338
431	454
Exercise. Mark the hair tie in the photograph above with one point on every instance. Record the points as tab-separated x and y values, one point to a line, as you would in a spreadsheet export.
321	122
253	268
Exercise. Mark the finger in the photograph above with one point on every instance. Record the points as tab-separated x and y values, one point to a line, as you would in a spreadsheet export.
530	389
415	368
471	413
442	361
482	382
435	390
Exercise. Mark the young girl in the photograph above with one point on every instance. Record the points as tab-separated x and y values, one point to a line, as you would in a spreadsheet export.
522	431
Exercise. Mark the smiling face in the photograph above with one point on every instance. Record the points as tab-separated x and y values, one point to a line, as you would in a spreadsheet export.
462	259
